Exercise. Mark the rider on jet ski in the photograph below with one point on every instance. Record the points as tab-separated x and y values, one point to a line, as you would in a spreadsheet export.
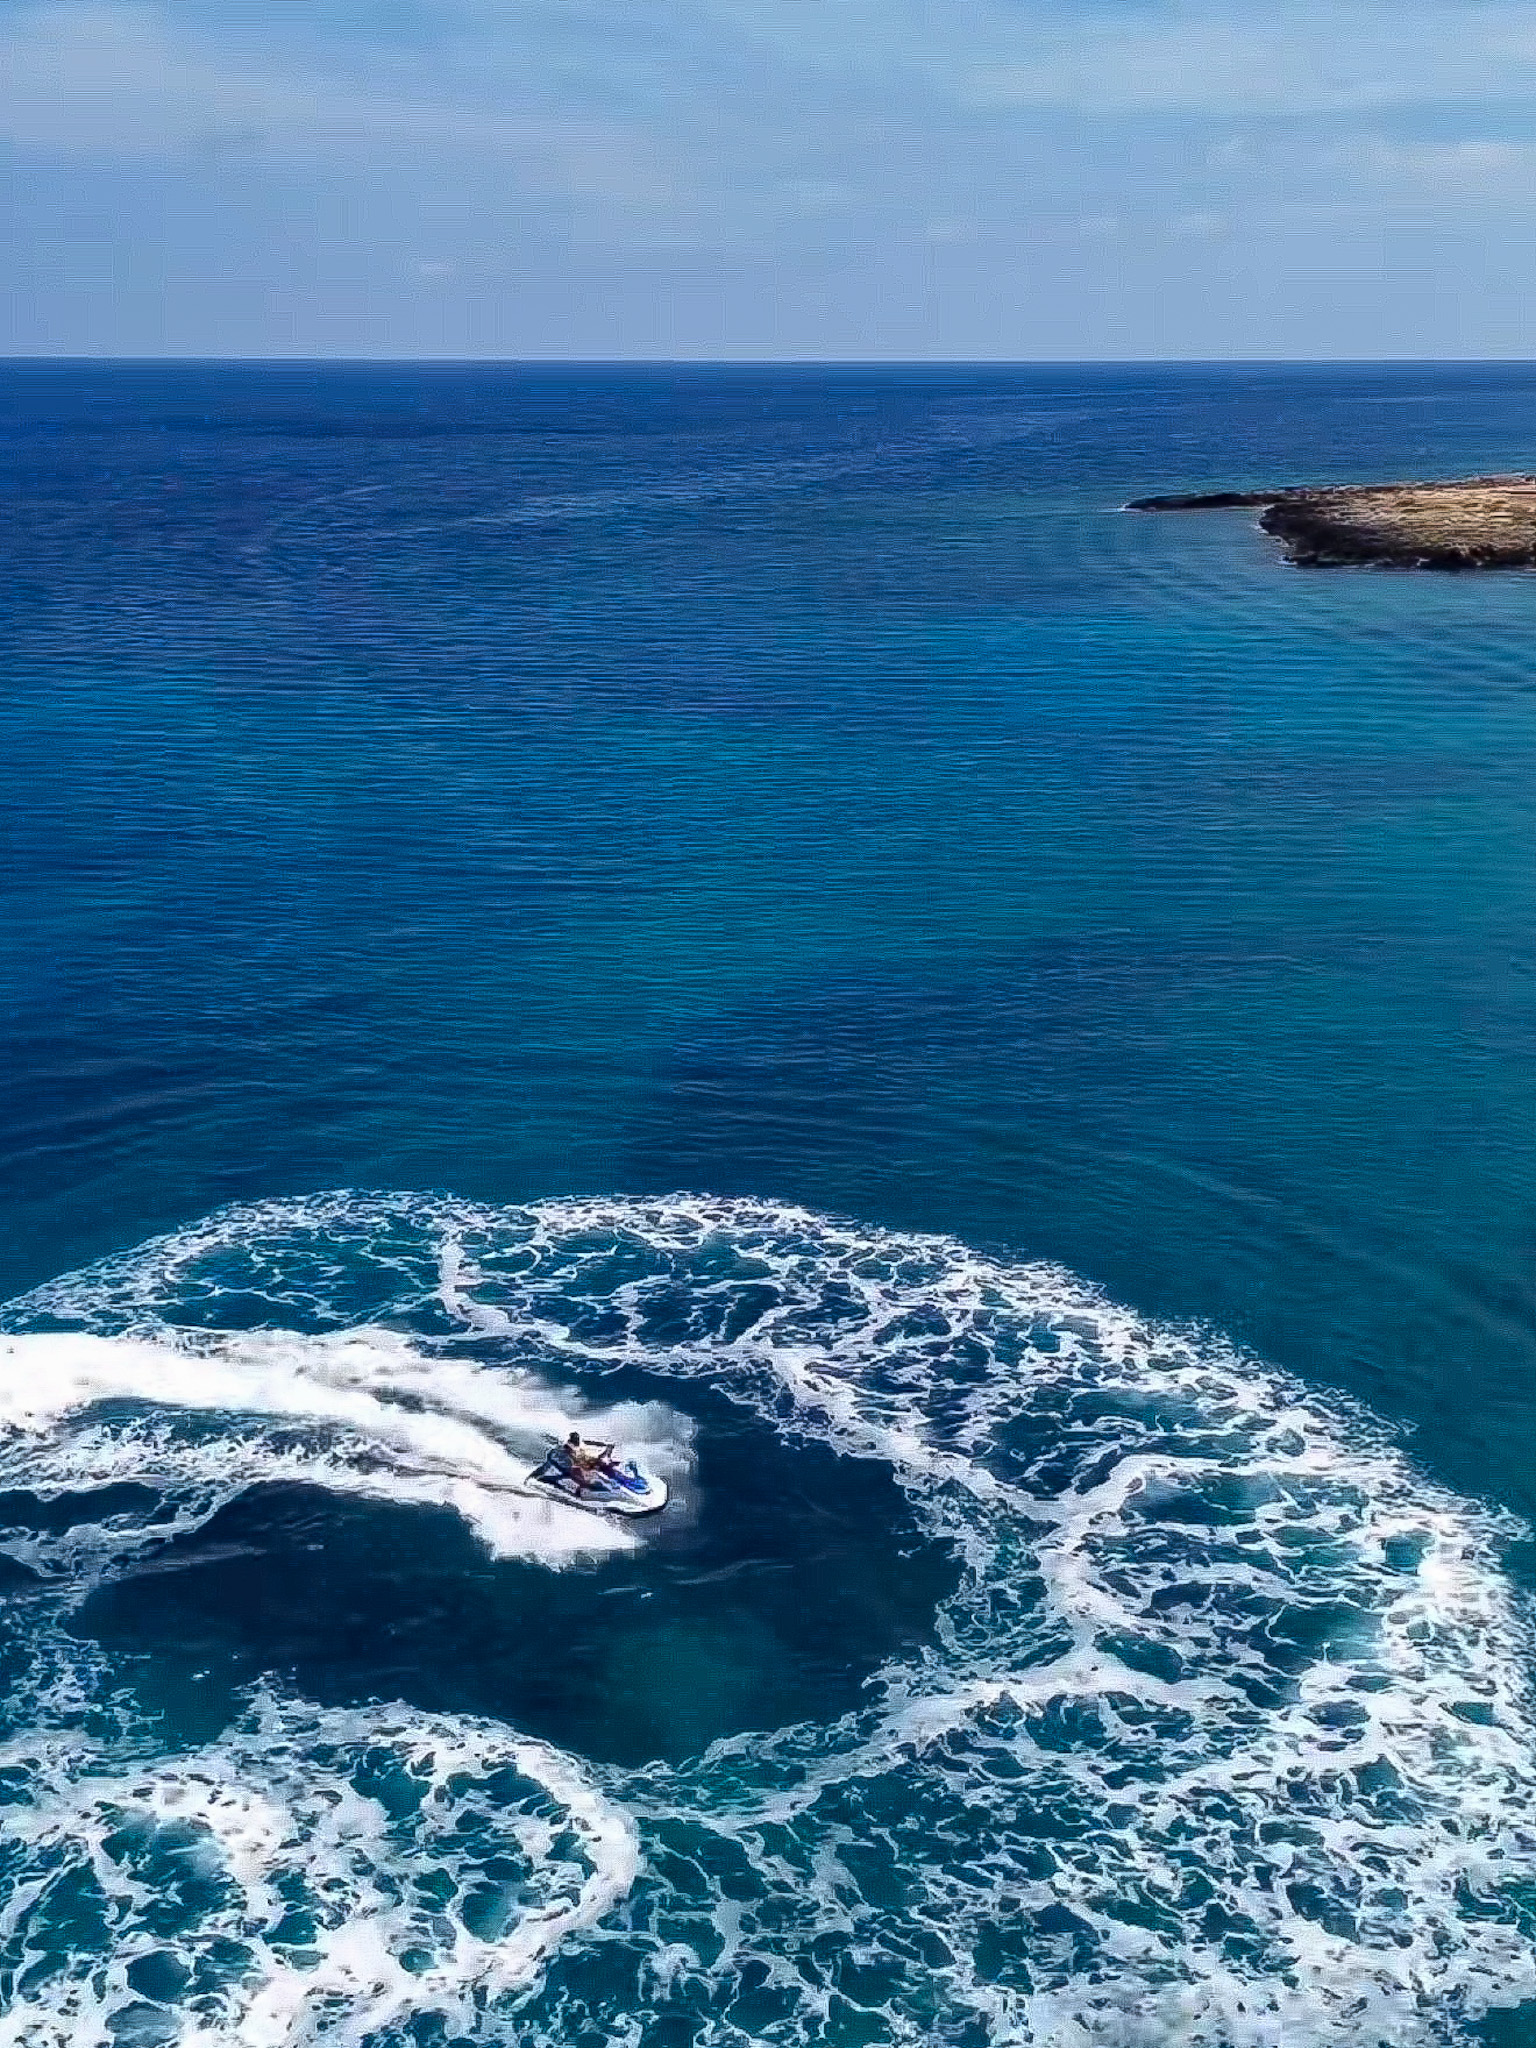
582	1463
593	1477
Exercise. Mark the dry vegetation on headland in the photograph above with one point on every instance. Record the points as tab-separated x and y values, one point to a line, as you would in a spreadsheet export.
1477	522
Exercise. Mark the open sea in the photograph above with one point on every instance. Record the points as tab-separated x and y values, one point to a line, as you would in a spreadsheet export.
989	1039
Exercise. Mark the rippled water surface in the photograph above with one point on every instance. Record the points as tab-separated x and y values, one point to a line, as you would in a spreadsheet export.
991	1038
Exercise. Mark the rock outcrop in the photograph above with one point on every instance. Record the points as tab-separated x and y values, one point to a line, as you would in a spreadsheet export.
1480	522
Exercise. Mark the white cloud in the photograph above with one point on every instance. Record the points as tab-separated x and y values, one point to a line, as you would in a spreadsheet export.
1200	226
1474	167
1293	57
112	80
788	97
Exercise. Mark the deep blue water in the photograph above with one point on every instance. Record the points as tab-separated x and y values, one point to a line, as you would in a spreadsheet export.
798	816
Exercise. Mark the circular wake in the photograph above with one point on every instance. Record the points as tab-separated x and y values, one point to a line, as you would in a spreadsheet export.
1223	1737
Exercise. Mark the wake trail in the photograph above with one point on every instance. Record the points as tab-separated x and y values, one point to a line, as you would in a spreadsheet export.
1224	1736
361	1412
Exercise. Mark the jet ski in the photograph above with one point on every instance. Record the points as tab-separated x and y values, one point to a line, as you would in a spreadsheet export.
615	1487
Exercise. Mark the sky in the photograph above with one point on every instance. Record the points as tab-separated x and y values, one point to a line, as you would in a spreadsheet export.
761	179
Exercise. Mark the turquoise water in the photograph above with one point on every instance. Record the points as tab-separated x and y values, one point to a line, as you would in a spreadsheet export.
991	1033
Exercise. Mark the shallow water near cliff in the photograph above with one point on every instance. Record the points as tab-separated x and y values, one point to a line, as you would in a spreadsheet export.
1083	970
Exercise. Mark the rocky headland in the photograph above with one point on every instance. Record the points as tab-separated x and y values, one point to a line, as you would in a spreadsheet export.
1478	522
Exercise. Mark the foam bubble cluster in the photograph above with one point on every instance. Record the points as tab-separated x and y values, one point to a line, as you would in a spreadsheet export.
313	1875
1224	1737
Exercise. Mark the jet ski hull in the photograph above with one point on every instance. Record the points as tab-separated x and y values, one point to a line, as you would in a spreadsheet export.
628	1492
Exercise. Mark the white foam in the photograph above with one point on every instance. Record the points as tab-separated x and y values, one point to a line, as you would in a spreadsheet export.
326	1913
1225	1737
1175	1503
363	1412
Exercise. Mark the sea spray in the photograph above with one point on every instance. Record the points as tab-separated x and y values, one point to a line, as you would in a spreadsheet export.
1224	1735
361	1412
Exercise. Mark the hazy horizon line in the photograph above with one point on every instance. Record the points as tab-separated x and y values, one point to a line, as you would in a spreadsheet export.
752	362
